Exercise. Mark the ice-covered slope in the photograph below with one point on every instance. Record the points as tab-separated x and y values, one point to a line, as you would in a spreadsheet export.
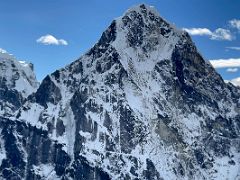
17	81
141	104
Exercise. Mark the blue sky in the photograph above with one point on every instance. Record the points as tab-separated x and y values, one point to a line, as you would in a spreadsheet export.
79	24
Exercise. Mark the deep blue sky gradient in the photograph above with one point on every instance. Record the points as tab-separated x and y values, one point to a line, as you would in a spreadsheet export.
81	23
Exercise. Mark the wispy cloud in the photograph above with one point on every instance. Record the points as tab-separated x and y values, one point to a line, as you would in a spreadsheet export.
235	23
232	70
218	34
51	40
234	48
225	63
222	34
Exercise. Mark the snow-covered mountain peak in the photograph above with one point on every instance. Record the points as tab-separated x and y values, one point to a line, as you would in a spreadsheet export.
17	82
140	37
143	9
141	34
17	75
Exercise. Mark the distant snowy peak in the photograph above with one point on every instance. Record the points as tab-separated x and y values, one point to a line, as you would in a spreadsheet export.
17	75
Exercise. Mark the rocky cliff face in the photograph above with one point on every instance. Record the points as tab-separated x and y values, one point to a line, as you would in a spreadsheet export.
141	104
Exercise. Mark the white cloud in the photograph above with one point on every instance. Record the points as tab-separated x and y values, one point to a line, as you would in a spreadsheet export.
222	34
234	48
218	34
3	50
232	70
51	40
235	81
198	31
235	23
225	63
